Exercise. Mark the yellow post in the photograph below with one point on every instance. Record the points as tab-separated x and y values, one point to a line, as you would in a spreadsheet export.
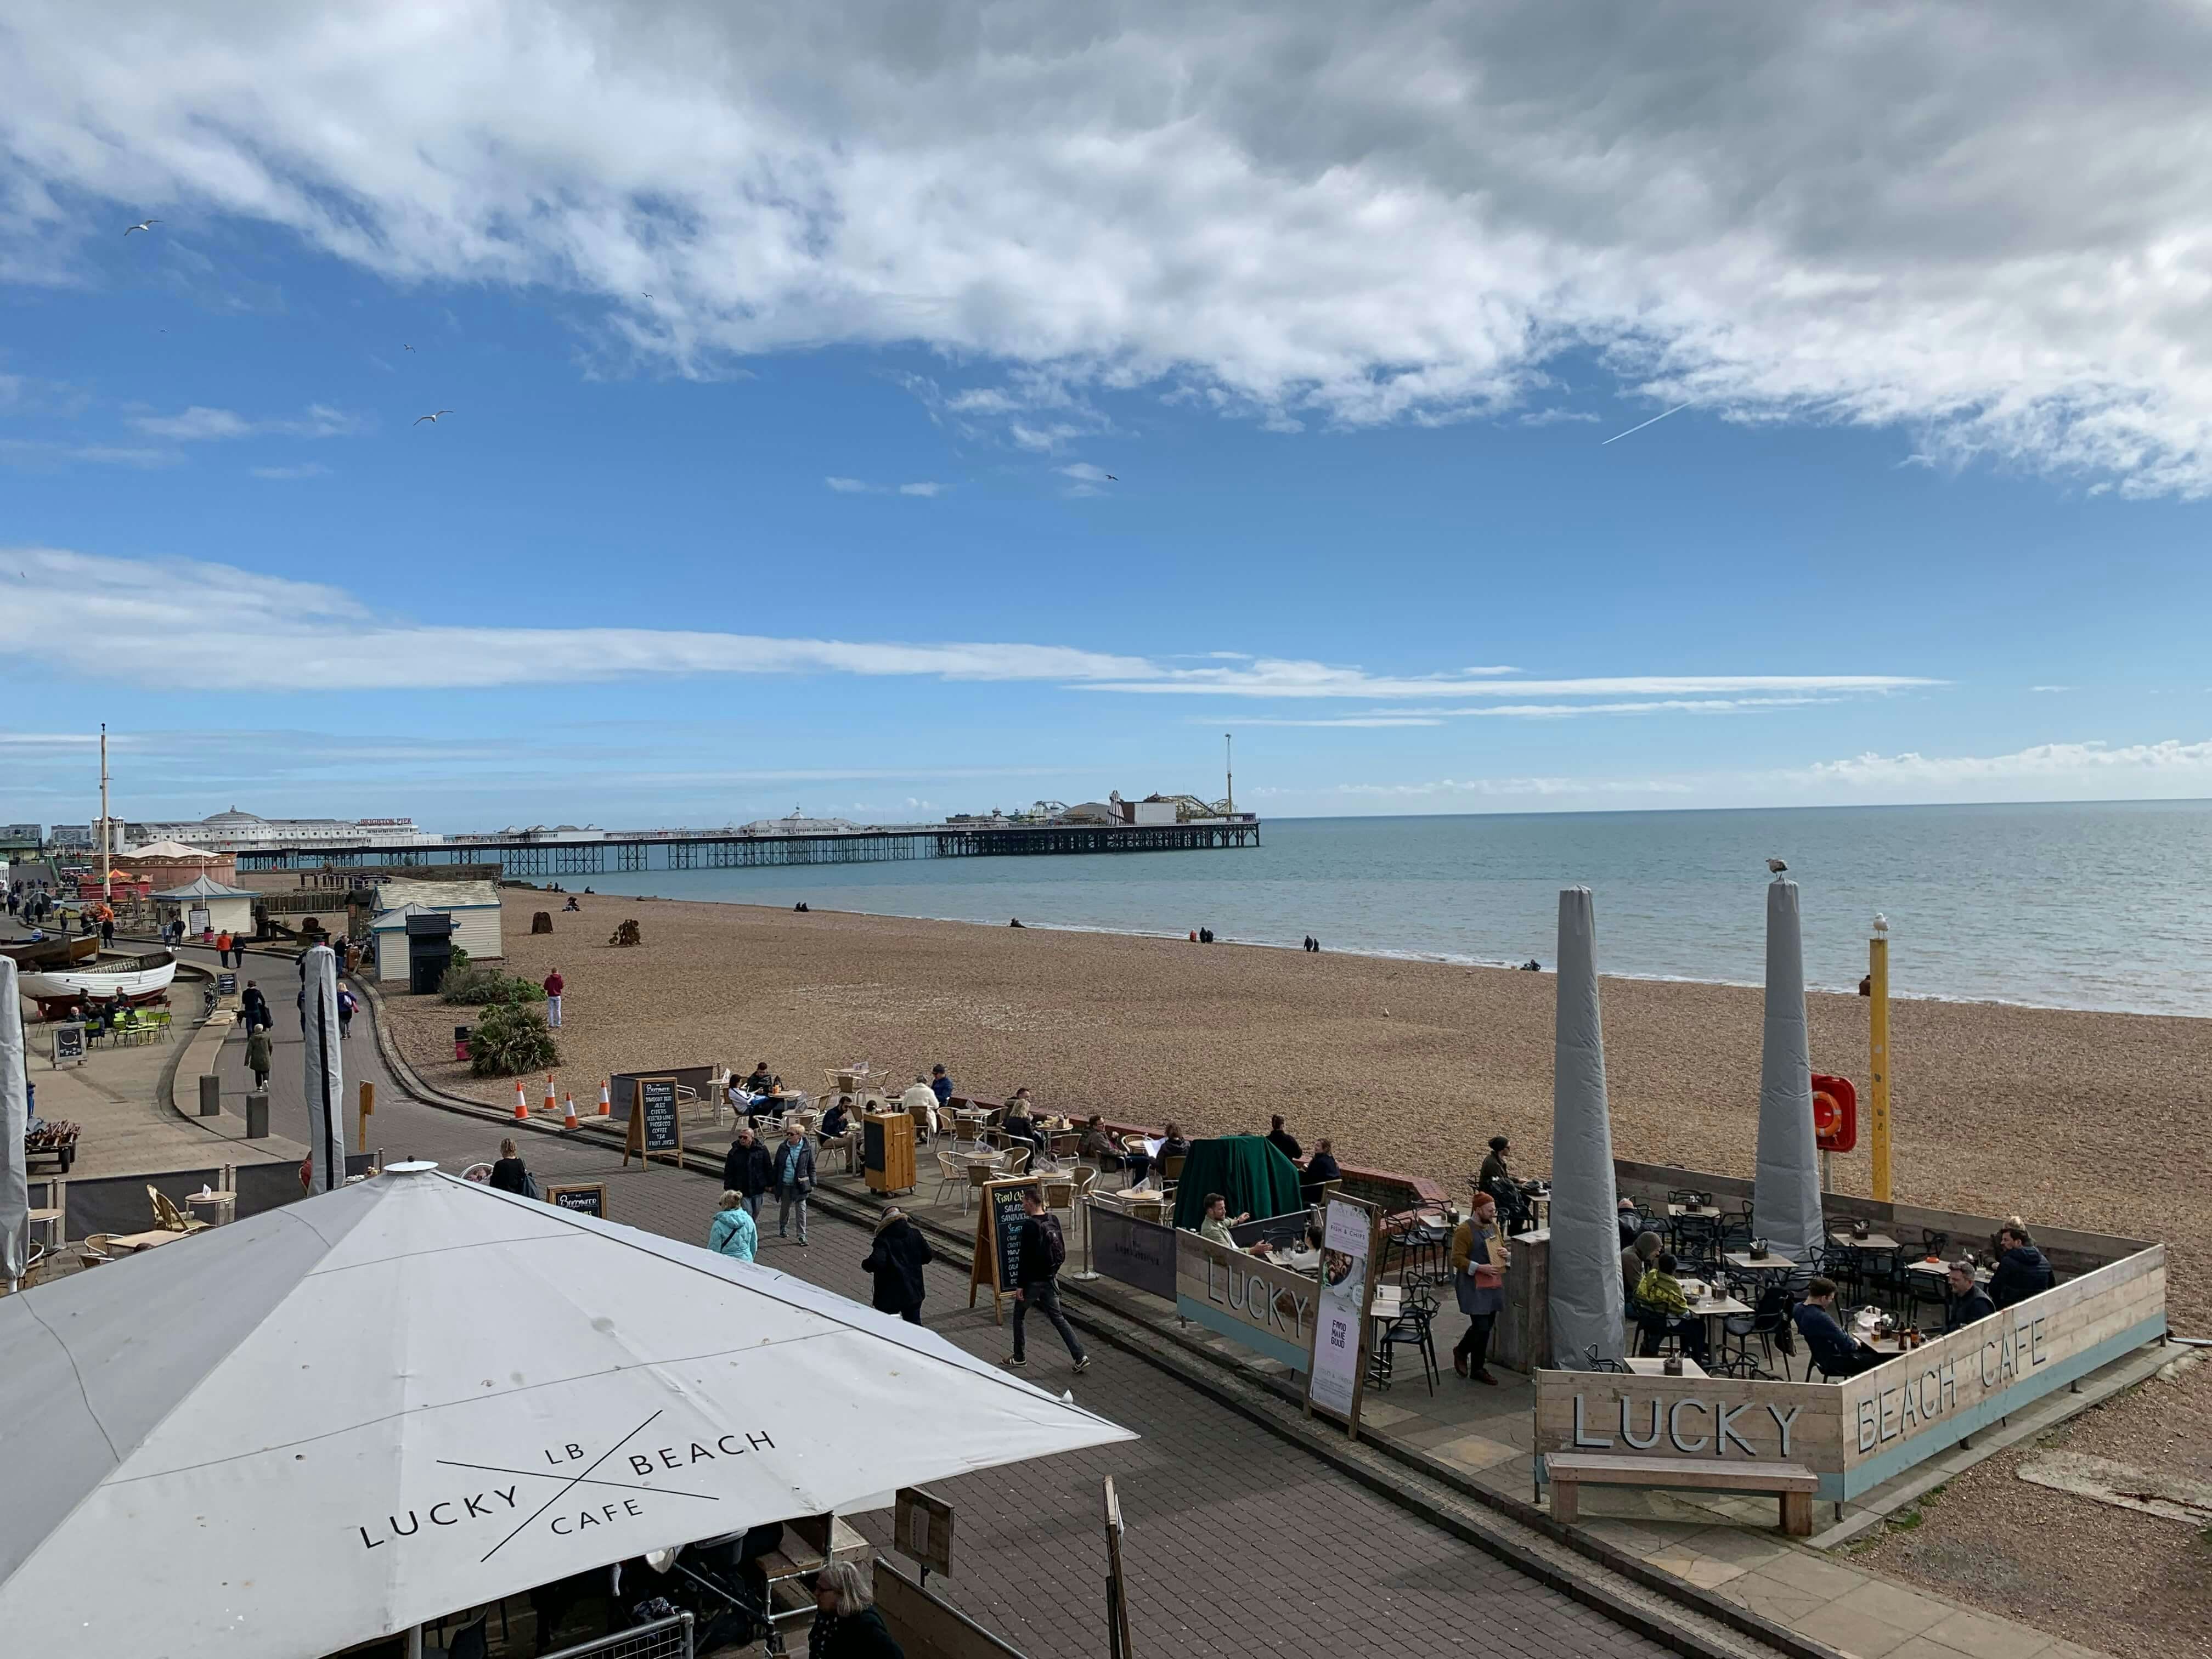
1878	1055
367	1108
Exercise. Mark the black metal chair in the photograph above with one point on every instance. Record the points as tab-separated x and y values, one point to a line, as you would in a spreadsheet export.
1414	1328
1769	1322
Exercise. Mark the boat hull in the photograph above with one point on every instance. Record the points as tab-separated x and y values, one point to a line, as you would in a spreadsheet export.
136	980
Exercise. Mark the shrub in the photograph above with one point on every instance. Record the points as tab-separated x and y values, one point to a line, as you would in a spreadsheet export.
509	1040
461	958
479	987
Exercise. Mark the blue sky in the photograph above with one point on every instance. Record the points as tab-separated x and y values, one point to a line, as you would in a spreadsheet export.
784	533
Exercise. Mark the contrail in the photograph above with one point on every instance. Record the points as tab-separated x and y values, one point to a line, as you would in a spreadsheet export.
1654	421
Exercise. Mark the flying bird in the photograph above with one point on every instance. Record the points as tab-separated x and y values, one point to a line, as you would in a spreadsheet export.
143	224
1639	427
419	419
1110	478
404	346
1777	865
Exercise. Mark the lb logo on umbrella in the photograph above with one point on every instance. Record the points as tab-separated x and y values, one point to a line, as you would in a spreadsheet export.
1835	1113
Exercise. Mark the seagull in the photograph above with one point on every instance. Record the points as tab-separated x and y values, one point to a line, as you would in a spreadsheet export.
143	224
1110	478
404	346
1777	865
419	419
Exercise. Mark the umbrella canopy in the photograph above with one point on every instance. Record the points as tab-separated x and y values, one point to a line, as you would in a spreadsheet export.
1248	1170
14	1121
348	1416
319	1049
1786	1196
1585	1246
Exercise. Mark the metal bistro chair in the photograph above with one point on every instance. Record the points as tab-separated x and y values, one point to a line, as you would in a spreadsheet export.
1769	1322
952	1178
1414	1328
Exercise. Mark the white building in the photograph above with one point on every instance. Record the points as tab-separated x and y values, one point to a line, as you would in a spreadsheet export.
205	904
473	905
245	832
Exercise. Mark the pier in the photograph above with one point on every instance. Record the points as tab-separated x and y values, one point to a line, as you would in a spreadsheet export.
727	849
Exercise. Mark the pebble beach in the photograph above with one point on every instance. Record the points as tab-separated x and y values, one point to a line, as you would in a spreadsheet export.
2096	1120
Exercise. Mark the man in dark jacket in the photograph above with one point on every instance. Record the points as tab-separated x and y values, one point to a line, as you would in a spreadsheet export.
1320	1168
2022	1272
1039	1252
895	1259
1283	1141
747	1170
1838	1353
1969	1301
1631	1224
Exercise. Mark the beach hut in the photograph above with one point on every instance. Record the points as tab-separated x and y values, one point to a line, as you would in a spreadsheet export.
205	903
473	906
343	1418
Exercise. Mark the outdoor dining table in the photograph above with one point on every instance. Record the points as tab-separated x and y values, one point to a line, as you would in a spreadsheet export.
1872	1244
1298	1261
1744	1262
151	1239
1656	1366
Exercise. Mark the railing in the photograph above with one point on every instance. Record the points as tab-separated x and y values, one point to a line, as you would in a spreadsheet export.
664	1639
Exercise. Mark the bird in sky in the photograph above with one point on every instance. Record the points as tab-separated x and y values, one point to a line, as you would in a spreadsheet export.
419	419
1110	478
1777	865
406	348
143	224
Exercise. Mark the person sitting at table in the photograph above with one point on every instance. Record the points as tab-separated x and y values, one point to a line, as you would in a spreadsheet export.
2022	1270
1100	1147
1214	1227
940	1085
1172	1144
1636	1260
837	1119
1632	1223
1663	1309
1320	1168
1283	1141
761	1081
1478	1259
1835	1350
1969	1301
1019	1128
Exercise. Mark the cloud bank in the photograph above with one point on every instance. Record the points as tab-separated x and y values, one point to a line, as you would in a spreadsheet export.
1987	226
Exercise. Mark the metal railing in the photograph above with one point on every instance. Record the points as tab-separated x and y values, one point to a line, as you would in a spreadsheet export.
664	1639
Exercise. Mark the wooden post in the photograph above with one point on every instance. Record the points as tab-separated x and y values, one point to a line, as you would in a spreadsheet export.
1878	1057
368	1110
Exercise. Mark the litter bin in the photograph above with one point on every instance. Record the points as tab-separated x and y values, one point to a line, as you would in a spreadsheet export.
460	1043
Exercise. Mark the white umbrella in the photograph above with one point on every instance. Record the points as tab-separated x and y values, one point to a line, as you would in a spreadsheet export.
1585	1307
15	1120
1785	1195
326	1080
411	1395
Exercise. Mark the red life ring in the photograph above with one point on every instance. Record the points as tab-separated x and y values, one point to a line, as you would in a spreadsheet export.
1835	1113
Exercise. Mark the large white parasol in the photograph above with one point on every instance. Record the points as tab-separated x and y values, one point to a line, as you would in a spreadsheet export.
411	1395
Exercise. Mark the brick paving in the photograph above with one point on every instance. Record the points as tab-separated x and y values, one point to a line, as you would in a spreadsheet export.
1237	1542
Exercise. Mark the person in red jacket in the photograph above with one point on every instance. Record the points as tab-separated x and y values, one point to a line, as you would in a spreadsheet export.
554	986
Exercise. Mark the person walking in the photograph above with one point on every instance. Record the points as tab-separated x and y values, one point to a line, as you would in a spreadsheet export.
510	1174
794	1179
108	933
846	1623
255	1007
747	1172
258	1059
554	986
1478	1259
1039	1252
347	1008
223	949
732	1232
896	1258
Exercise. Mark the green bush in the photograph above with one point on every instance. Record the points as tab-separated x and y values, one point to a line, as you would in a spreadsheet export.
509	1040
479	987
461	958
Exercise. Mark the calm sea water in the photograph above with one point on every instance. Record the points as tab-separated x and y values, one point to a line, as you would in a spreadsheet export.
2102	906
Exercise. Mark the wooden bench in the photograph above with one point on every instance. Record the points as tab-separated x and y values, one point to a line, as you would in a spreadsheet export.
1793	1483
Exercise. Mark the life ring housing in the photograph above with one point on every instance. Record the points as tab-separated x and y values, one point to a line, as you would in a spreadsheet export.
1835	1113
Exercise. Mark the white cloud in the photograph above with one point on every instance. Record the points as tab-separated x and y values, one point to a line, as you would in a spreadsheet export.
198	424
1279	211
848	486
925	488
1549	711
35	453
2054	688
305	469
2161	768
1084	472
1270	676
862	487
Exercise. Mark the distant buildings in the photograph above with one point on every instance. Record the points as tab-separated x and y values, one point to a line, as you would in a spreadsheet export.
246	832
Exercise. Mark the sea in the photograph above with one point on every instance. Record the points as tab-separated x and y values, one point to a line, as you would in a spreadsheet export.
2103	906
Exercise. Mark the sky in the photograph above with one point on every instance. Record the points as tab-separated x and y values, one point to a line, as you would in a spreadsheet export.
896	410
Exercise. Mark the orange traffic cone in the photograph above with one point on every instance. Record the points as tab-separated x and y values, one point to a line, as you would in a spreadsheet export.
521	1108
606	1109
551	1105
569	1121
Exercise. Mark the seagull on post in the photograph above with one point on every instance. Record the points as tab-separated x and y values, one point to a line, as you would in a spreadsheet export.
419	419
1778	867
143	224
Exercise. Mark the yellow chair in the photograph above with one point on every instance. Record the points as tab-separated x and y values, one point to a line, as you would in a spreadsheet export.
168	1218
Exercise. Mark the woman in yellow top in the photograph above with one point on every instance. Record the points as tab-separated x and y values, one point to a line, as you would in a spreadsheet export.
1478	1259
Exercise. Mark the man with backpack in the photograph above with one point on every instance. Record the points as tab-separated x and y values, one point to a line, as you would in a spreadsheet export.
347	1006
1039	1253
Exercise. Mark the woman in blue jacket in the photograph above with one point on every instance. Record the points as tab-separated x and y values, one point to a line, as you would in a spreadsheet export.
732	1233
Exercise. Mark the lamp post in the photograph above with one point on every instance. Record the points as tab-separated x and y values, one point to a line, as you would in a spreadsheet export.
1878	1056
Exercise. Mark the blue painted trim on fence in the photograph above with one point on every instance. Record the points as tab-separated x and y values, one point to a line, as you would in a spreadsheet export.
1972	1420
1273	1347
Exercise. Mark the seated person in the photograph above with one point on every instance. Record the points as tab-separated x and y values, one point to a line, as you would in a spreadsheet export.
1969	1301
1632	1223
2022	1271
761	1081
1320	1168
1836	1351
1636	1260
1101	1147
837	1119
1283	1141
1172	1144
736	1096
1018	1127
1659	1295
1218	1222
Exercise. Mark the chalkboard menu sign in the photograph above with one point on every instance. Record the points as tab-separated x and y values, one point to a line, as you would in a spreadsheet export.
655	1125
585	1199
872	1144
998	1240
226	985
69	1043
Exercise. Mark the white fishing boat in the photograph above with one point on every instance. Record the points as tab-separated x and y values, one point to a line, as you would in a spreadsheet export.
135	979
